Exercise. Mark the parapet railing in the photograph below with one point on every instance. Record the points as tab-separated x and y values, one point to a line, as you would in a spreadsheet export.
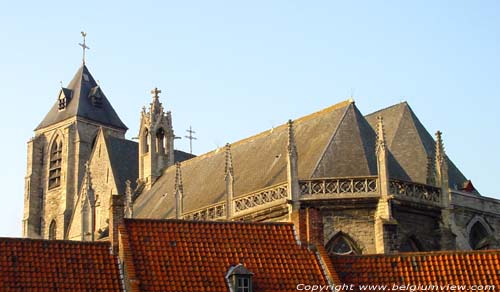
264	198
338	186
267	197
415	191
321	188
211	212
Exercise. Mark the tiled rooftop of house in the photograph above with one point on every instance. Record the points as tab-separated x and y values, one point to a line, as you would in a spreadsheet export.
443	267
43	265
173	255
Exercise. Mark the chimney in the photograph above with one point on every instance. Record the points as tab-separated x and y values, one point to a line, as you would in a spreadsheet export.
116	218
308	224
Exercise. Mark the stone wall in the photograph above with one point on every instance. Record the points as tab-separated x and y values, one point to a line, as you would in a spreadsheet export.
468	209
43	205
357	222
419	223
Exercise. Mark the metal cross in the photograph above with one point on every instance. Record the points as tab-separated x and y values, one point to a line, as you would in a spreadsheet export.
84	46
155	92
191	138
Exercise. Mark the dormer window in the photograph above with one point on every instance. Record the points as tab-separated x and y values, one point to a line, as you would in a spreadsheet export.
239	279
96	96
64	97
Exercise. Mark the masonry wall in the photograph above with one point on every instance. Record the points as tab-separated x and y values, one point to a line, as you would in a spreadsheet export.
357	222
42	205
418	222
103	185
468	209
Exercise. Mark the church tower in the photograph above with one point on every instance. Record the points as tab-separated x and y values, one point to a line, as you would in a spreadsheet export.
156	141
57	154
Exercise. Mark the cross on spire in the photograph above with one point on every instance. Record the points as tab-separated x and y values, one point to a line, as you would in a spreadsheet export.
84	46
155	92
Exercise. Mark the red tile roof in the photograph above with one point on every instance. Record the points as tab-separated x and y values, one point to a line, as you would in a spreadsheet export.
438	268
54	265
177	255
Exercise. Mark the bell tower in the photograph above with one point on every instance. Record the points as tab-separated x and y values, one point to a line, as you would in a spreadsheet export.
57	154
156	141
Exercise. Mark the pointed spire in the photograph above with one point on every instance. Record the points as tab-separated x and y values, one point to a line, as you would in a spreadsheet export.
83	98
380	134
292	171
179	192
228	170
292	148
439	148
229	177
442	172
128	199
88	183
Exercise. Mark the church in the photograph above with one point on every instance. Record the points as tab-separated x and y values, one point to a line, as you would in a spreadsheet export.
376	183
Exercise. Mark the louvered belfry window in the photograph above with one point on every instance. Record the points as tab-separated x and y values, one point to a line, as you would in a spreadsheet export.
55	164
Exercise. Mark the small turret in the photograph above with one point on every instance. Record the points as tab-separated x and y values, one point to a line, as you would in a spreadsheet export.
156	141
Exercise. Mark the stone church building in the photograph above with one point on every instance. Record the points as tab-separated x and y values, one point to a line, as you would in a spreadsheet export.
377	183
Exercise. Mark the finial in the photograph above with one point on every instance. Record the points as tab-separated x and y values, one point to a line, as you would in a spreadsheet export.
84	46
60	82
229	160
291	138
156	93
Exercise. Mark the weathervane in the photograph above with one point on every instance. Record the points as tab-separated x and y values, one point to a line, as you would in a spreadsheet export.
84	46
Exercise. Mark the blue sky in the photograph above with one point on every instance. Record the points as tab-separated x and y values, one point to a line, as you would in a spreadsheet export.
235	68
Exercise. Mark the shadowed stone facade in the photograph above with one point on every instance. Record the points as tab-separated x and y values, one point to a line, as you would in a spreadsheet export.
378	183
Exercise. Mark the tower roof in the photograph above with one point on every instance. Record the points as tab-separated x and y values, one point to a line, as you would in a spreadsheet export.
85	99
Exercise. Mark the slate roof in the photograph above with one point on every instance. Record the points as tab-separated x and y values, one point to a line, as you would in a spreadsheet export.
178	255
80	104
123	156
260	161
55	265
425	268
180	156
410	145
335	142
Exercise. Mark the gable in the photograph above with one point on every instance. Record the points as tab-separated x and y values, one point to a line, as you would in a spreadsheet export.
410	145
351	150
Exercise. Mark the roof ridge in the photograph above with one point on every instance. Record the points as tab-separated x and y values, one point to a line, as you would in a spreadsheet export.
327	145
388	107
394	133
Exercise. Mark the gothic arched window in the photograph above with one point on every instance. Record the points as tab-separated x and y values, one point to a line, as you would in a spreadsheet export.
53	230
342	244
411	244
145	141
160	138
479	237
55	164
